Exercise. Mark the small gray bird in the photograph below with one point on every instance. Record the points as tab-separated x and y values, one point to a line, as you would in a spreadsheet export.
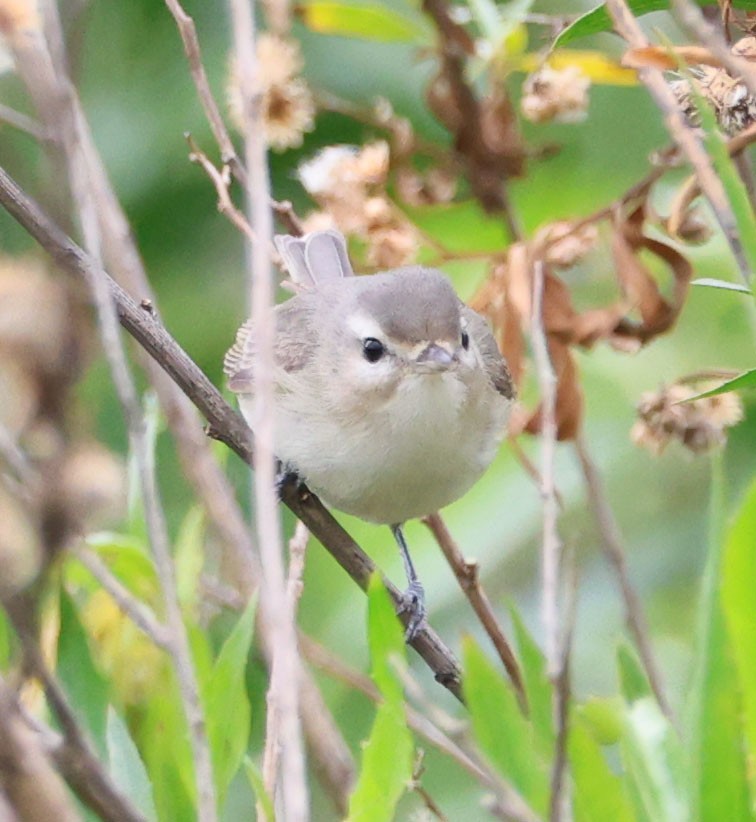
391	394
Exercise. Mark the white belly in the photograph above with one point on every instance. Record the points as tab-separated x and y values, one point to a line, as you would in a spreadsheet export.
402	458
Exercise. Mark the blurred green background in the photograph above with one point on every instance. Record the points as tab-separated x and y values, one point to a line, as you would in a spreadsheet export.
140	101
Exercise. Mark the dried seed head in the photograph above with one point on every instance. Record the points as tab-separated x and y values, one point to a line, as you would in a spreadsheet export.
734	107
288	110
555	94
699	425
564	245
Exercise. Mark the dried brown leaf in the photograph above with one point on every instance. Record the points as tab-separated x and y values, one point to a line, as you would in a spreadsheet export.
667	58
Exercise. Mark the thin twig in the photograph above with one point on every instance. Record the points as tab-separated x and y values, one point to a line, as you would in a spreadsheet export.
137	611
466	572
611	542
188	32
685	137
297	553
283	711
551	546
224	422
22	122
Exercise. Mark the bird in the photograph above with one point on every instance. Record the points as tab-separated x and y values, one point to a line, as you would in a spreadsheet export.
391	396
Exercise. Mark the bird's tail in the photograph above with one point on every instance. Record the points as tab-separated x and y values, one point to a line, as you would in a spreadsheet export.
315	258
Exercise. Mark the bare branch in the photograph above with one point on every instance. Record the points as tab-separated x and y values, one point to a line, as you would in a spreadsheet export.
466	572
611	542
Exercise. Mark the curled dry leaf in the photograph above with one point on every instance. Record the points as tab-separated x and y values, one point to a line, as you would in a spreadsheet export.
668	58
506	298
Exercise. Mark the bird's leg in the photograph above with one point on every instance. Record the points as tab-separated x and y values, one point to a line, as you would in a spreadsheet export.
413	600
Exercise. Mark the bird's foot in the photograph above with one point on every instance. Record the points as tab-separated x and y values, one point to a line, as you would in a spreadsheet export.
286	476
413	604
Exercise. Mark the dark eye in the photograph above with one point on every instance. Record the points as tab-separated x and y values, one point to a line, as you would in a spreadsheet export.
373	349
465	340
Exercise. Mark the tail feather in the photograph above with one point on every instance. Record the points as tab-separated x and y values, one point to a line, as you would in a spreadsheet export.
315	258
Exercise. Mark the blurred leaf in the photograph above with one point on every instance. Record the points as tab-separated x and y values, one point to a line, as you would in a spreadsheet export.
745	380
537	685
189	556
595	65
258	786
633	681
597	20
501	731
739	605
126	766
128	559
604	716
163	740
386	765
655	764
367	21
227	708
85	687
502	25
712	282
719	762
5	641
598	792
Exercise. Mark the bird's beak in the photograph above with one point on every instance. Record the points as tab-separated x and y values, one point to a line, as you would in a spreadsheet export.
435	358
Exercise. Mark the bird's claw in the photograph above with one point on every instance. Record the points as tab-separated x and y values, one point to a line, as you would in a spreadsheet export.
413	604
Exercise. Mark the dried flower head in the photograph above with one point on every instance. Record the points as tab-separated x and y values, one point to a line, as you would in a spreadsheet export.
555	94
345	171
288	110
699	424
734	107
564	244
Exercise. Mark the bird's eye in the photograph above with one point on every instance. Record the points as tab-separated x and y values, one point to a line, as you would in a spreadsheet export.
372	349
465	340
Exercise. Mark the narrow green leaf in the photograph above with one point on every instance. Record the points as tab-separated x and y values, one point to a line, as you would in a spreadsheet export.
367	21
597	20
537	686
604	716
126	766
655	764
718	758
745	380
501	731
599	793
386	765
725	285
739	605
227	707
633	681
189	556
84	685
258	786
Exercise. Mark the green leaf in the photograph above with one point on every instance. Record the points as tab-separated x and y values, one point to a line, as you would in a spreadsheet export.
126	766
655	764
501	731
745	380
597	20
537	686
227	707
86	688
739	605
386	765
599	793
712	282
367	21
718	758
189	556
604	715
633	681
258	786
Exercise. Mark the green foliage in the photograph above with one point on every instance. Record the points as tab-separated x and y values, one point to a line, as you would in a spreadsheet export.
713	282
127	767
386	765
368	21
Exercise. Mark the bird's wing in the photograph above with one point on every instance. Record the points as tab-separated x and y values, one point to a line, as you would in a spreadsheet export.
315	258
293	346
494	363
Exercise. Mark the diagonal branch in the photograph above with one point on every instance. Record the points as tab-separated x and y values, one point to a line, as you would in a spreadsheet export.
225	423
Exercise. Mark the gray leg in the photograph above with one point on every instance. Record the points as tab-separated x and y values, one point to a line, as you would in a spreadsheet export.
414	597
